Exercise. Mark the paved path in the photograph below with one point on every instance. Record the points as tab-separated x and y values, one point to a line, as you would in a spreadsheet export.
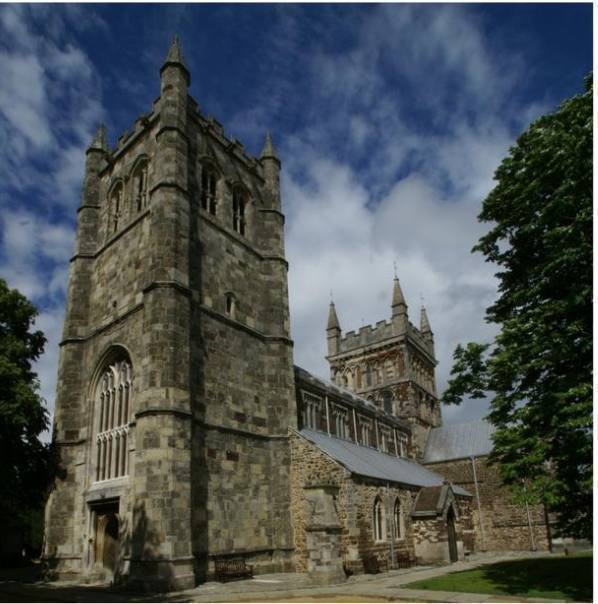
288	587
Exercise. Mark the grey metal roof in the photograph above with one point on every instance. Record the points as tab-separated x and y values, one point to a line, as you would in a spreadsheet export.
458	441
374	464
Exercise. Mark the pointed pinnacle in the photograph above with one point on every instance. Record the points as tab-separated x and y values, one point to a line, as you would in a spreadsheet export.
100	139
397	294
175	58
332	318
424	324
175	54
268	150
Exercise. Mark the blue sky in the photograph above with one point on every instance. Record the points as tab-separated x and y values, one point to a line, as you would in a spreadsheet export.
390	121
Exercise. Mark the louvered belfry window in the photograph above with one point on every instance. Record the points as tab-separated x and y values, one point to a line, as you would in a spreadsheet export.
114	407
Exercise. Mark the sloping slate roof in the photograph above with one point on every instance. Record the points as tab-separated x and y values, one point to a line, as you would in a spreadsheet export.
369	462
458	441
427	500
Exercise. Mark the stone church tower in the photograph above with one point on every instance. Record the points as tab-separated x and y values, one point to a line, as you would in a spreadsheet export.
175	387
391	364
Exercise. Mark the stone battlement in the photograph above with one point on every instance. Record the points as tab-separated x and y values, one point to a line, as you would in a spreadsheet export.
366	335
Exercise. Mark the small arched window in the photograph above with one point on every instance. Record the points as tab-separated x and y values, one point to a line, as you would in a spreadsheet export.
358	378
368	376
207	193
239	211
114	402
231	304
115	208
379	522
398	530
140	186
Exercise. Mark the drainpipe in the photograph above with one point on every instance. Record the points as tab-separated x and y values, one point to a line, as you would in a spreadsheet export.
392	527
477	496
327	416
529	519
355	428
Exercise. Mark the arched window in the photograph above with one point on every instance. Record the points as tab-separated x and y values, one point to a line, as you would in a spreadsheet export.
341	421
379	521
115	208
368	376
398	530
366	431
113	404
231	304
207	193
239	210
140	185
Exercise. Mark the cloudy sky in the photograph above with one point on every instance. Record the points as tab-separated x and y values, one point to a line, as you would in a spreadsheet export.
390	120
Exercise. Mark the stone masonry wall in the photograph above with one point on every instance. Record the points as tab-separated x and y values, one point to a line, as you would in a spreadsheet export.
355	504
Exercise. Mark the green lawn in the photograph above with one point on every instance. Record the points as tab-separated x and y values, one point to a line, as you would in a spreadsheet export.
565	578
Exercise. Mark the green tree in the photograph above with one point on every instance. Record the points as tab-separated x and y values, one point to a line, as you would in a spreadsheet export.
538	371
24	459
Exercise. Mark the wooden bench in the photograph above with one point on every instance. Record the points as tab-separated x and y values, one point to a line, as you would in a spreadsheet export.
229	569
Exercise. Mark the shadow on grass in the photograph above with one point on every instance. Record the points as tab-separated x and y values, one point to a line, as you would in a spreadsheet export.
570	576
560	578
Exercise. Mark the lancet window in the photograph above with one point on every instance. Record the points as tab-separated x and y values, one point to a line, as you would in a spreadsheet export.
140	186
116	203
379	521
208	189
341	421
384	439
397	520
402	441
114	402
312	406
366	432
239	211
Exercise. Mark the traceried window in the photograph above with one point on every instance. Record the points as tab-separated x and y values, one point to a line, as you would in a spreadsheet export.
207	192
312	406
379	521
398	530
140	186
114	402
115	208
239	210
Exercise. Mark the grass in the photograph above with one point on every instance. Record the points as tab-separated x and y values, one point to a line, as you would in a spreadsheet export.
564	578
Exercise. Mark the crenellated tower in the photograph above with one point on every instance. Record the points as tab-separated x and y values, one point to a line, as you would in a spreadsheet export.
391	364
175	387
